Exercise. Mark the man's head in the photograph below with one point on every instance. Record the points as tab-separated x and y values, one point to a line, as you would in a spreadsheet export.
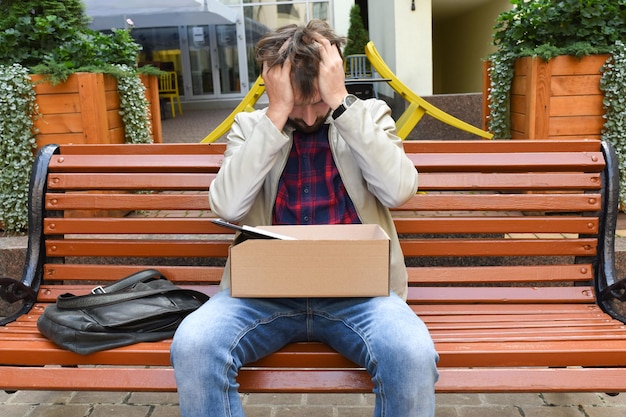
297	43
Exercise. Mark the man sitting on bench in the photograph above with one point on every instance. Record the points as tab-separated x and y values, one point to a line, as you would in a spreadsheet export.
315	155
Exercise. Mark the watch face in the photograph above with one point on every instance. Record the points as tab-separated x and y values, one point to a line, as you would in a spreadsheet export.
350	99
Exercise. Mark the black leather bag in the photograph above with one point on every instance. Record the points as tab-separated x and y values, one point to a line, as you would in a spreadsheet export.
143	307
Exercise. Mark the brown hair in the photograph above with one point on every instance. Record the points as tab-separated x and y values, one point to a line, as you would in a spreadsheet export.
300	47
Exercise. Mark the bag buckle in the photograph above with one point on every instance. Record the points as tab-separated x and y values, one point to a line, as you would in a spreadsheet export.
98	290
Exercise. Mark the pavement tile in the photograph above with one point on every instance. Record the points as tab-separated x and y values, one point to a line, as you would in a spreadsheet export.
99	397
304	411
120	410
491	411
173	411
40	397
340	399
153	398
574	399
614	399
554	412
7	410
61	410
257	411
591	411
353	412
513	399
458	399
271	399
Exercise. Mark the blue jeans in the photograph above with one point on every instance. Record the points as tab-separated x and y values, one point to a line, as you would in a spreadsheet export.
381	334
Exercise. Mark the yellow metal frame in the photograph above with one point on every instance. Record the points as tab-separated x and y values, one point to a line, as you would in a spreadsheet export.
246	104
418	107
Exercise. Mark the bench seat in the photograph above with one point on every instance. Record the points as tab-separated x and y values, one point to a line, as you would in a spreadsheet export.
509	246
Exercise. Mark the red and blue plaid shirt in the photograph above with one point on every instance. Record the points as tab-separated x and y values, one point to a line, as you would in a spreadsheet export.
310	190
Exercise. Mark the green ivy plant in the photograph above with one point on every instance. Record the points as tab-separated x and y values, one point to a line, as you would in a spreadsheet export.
134	106
51	37
17	142
547	28
613	85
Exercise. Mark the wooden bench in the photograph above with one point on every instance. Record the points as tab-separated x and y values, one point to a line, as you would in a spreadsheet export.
509	246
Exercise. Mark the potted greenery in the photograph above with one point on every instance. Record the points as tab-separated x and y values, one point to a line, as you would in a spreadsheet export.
46	48
540	44
357	36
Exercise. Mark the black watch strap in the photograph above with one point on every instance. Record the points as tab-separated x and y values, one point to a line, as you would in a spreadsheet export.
347	102
339	111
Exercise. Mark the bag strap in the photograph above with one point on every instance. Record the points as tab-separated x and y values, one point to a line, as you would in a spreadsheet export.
129	281
111	294
72	302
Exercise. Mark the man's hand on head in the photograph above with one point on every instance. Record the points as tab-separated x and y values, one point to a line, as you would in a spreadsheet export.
331	79
279	92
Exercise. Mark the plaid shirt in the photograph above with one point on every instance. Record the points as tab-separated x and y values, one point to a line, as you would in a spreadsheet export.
310	190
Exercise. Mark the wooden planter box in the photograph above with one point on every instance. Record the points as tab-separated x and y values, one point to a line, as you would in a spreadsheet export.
558	99
85	109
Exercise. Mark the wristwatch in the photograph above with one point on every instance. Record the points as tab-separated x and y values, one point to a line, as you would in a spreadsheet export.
347	102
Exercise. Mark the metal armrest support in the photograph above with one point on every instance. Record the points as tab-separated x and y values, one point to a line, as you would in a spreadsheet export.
609	288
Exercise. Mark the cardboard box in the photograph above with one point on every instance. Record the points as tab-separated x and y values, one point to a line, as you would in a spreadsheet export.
348	260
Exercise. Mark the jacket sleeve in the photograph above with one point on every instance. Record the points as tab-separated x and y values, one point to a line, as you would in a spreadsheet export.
370	132
254	145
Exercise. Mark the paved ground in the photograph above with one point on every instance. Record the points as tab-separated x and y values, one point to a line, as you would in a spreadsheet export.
192	126
125	404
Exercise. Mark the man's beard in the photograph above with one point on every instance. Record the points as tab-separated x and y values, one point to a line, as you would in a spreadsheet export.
301	126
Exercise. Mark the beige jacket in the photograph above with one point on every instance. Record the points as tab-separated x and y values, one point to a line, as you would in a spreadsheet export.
369	156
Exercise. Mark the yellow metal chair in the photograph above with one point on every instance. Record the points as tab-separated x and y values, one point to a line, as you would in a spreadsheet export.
168	89
418	107
246	104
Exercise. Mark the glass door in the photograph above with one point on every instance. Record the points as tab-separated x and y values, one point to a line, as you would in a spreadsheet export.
213	61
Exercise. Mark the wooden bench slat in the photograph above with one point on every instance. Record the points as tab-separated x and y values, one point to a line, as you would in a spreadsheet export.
524	202
492	224
139	248
208	163
501	247
464	321
421	146
451	380
516	308
508	162
429	181
501	146
444	295
109	273
152	181
93	201
413	225
425	247
153	149
148	225
426	162
510	202
454	295
531	380
532	353
500	274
